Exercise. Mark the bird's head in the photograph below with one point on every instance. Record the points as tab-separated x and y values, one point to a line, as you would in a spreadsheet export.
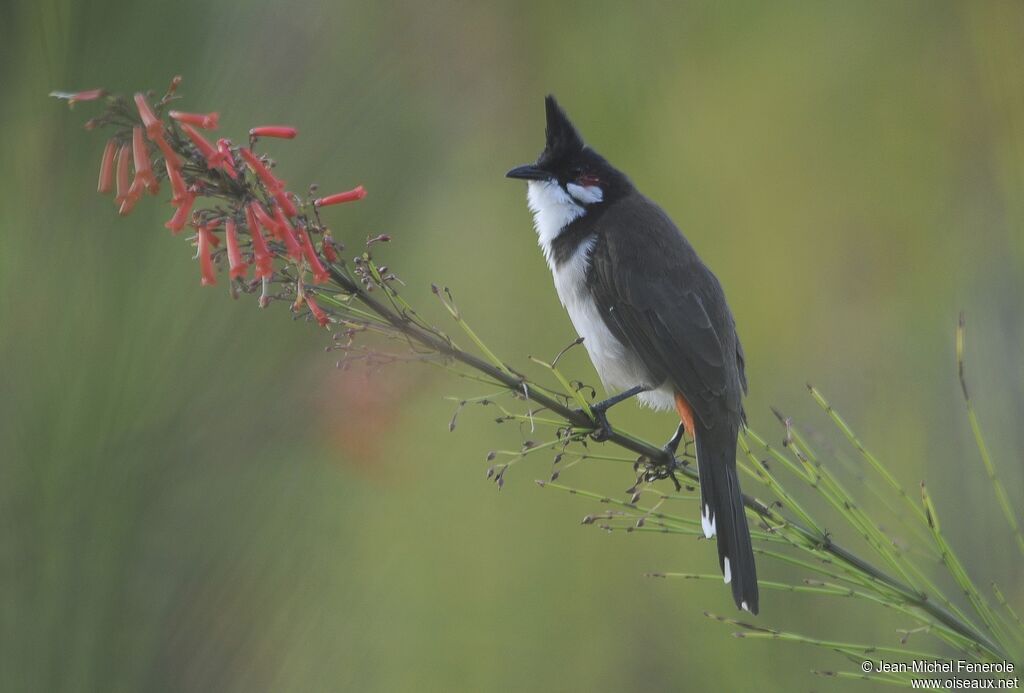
578	171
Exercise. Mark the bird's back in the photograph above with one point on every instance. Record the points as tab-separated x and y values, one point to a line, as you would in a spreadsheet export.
657	296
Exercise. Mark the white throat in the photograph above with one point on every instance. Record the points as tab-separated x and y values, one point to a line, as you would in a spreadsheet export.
555	208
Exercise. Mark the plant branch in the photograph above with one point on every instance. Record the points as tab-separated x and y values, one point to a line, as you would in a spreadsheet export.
268	229
577	418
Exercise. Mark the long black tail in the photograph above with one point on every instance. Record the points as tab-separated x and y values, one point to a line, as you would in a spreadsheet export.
722	513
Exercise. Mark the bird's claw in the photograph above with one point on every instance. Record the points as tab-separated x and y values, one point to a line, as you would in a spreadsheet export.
652	470
665	468
602	430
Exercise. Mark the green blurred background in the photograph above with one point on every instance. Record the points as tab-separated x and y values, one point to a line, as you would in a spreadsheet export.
192	498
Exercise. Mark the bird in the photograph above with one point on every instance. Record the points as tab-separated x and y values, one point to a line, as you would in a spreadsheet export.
653	318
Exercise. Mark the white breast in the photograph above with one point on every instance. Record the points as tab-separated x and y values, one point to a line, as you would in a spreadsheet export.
617	366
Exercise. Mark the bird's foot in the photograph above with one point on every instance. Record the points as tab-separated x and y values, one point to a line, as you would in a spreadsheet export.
602	430
663	468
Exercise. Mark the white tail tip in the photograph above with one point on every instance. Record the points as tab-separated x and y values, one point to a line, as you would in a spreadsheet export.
707	522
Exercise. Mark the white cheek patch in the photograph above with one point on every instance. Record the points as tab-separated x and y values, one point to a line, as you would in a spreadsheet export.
587	194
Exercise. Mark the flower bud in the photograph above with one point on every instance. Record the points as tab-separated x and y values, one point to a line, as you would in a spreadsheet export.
236	265
149	120
287	234
281	131
261	170
209	277
143	165
170	155
285	201
317	311
357	193
183	213
206	121
106	182
204	147
224	154
327	248
320	274
178	188
123	181
88	95
265	220
262	258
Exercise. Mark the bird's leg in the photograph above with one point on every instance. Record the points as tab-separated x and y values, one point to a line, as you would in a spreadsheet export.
603	430
673	443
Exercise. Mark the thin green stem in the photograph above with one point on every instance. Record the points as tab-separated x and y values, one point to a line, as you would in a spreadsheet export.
986	459
579	419
955	567
864	452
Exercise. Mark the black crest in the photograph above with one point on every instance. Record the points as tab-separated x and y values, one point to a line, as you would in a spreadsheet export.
567	159
561	134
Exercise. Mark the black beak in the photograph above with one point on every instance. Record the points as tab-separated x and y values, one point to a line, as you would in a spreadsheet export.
528	172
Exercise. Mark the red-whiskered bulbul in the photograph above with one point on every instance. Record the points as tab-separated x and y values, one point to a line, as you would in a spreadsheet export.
653	319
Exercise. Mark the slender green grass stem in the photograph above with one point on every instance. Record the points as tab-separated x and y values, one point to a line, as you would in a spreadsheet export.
986	459
578	418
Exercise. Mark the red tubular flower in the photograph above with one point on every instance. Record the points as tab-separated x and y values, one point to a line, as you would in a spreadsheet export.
128	192
320	274
178	187
143	165
182	215
153	186
282	131
317	311
106	182
263	218
206	121
170	155
153	125
123	182
88	95
327	248
262	258
205	148
285	201
226	161
357	193
261	170
132	197
287	234
209	277
237	266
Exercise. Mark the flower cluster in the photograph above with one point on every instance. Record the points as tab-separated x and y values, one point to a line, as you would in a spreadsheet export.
243	215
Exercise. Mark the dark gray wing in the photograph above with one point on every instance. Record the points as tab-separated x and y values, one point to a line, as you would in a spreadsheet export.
657	297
